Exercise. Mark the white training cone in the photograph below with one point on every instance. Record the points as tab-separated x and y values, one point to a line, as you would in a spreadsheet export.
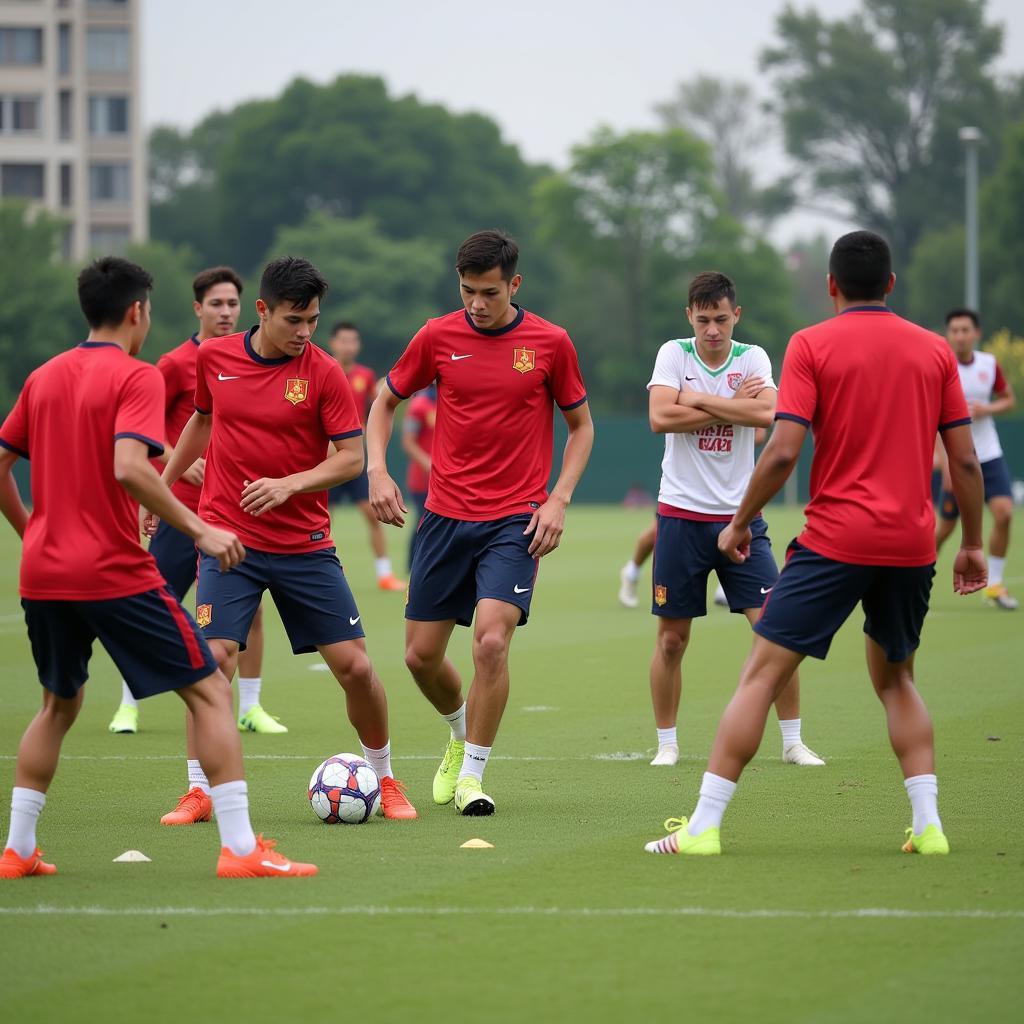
132	857
477	844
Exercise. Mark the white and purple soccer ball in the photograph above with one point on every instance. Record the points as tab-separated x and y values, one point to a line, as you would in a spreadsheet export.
345	788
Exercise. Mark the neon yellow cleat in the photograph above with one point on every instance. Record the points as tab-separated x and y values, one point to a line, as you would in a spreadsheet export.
447	775
930	841
678	840
997	596
257	720
126	719
470	798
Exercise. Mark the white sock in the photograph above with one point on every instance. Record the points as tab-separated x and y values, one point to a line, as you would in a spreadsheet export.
197	777
457	721
379	759
231	806
715	794
383	567
475	761
790	732
127	697
248	694
923	791
25	807
667	738
995	570
632	571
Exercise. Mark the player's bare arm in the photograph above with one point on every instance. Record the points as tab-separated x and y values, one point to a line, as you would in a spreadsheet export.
753	404
194	440
346	463
970	573
668	414
777	462
11	504
133	471
548	522
385	495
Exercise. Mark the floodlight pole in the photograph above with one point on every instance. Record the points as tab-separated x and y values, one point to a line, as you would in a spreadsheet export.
971	138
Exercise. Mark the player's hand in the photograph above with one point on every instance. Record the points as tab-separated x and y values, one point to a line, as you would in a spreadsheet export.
547	525
261	495
734	543
978	409
195	473
970	572
386	500
750	387
148	522
222	545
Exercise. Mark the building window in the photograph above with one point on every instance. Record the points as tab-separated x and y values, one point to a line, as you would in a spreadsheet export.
109	239
23	181
21	45
64	48
108	115
20	114
110	183
65	112
67	192
108	49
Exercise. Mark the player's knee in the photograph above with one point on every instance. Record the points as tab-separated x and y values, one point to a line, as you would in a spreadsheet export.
1002	515
356	673
490	647
421	662
62	711
672	643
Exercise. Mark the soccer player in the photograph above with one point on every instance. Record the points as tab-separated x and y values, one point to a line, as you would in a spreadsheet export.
217	304
988	394
708	395
870	532
629	575
90	419
345	344
269	405
489	519
417	443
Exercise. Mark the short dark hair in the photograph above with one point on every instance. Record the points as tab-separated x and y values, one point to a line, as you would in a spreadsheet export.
861	264
708	289
343	325
108	287
971	314
206	279
486	250
291	279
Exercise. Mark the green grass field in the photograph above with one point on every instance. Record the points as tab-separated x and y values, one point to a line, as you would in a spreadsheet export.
812	914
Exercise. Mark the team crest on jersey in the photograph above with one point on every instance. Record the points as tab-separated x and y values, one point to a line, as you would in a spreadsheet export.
359	384
524	359
296	390
734	380
204	614
660	595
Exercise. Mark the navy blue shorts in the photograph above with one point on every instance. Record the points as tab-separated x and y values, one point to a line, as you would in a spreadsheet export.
152	640
686	551
356	490
996	474
459	564
815	595
176	558
309	590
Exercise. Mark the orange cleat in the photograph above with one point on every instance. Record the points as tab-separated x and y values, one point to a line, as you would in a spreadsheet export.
390	583
394	803
13	866
263	862
194	806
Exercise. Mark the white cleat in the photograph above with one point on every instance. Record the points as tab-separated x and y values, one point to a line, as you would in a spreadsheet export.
627	589
720	599
666	756
800	753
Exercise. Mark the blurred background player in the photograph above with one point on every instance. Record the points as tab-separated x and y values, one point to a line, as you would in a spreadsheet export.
217	304
417	442
90	419
345	345
988	394
629	575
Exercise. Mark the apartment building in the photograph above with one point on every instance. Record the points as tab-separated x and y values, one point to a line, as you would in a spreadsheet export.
71	134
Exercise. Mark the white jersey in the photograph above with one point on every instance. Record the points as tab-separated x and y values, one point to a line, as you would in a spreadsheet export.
979	378
708	471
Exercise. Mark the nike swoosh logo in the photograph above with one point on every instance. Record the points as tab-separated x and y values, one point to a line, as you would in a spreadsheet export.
691	378
519	590
768	591
352	621
277	867
456	358
220	376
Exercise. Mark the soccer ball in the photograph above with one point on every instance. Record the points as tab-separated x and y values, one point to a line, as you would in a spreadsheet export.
344	788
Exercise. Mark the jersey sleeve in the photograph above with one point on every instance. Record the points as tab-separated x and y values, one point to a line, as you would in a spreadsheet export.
999	384
14	432
666	368
204	397
416	367
565	379
954	406
140	408
168	368
761	366
338	414
798	388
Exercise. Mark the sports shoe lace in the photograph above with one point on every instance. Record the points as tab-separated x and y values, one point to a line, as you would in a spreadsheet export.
393	788
449	756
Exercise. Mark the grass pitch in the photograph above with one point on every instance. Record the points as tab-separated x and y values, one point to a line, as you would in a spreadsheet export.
812	914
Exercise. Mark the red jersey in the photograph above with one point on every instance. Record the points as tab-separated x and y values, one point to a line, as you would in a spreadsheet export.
179	372
82	539
271	418
363	381
495	389
419	421
874	389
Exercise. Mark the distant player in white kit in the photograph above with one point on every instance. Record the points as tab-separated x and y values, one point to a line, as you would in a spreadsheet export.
988	394
708	395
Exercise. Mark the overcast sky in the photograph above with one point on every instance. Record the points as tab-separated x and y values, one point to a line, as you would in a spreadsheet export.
548	71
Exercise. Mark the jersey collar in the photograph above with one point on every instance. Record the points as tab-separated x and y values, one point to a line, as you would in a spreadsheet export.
866	309
195	339
497	331
98	344
255	357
